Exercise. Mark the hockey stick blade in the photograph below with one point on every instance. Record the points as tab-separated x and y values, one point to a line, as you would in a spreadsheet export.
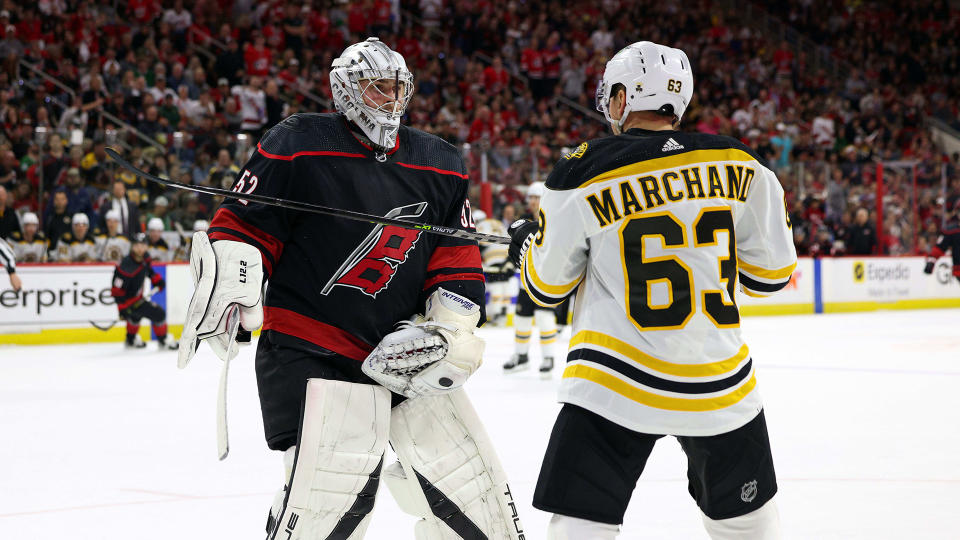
105	328
314	208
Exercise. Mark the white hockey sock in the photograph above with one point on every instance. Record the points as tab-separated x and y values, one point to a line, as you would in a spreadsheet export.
523	327
761	524
547	324
570	528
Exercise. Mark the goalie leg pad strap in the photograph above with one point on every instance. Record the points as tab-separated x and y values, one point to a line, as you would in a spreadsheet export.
456	477
336	471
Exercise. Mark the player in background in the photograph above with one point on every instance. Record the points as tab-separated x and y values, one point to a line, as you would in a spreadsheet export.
127	291
79	243
9	262
113	246
31	245
656	226
948	240
527	312
182	253
497	269
337	381
156	246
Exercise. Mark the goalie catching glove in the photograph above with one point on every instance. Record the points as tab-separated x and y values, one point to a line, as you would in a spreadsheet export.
433	354
225	274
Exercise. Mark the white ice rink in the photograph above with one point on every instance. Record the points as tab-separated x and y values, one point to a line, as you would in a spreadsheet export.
863	412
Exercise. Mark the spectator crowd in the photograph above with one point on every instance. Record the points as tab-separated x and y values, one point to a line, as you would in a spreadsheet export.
185	89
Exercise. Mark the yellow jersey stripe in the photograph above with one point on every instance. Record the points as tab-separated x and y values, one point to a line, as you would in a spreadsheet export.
748	292
670	162
760	272
657	401
656	364
543	287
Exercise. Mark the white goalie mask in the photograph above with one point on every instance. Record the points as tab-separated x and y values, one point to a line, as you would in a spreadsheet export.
655	78
372	86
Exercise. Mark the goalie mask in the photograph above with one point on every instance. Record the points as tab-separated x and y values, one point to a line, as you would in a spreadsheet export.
655	78
372	86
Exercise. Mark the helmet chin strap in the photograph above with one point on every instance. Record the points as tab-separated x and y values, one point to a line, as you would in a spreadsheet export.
366	140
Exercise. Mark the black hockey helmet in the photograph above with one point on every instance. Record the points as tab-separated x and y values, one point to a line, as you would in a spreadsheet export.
138	238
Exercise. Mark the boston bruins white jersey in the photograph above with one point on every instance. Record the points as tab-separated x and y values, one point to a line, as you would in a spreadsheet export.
159	251
493	255
71	249
113	248
32	251
657	228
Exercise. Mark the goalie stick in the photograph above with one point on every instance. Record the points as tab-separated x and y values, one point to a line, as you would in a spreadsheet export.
314	208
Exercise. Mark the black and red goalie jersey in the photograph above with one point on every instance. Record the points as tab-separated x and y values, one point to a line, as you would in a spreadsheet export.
342	284
128	280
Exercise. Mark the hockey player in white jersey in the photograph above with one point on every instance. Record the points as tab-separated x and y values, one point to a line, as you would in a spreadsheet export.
30	245
656	226
113	246
528	312
497	269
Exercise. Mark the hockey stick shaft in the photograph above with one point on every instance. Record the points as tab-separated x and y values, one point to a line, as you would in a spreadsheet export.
314	208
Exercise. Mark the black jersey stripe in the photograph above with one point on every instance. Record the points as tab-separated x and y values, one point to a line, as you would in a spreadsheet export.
652	381
539	297
760	286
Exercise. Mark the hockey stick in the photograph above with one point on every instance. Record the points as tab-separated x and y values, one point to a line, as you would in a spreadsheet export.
104	328
107	327
314	208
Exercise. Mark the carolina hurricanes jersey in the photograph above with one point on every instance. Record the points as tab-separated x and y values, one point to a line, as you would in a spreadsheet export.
657	227
343	284
31	251
113	248
128	279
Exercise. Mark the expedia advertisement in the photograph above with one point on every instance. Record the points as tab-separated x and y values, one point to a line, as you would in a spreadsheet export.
886	279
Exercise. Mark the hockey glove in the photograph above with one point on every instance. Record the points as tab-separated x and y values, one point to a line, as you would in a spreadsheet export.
433	354
225	274
521	234
928	268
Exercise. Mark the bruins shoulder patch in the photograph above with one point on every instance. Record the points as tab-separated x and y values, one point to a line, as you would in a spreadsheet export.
578	153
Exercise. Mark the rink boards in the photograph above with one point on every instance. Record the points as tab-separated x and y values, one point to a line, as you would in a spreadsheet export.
61	303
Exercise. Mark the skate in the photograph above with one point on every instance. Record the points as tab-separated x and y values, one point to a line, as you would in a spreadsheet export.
517	362
167	344
134	342
546	367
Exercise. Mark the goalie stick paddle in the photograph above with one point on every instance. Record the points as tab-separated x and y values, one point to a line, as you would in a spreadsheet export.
314	208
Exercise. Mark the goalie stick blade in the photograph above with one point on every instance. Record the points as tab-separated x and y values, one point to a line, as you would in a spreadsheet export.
315	208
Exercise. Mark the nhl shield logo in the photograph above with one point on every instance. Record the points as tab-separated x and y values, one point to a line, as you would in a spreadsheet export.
749	491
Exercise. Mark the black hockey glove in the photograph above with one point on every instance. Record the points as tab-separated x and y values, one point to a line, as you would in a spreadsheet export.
160	285
928	268
521	234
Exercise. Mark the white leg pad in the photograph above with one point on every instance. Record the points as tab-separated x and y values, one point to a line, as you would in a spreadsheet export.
570	528
335	474
761	524
451	475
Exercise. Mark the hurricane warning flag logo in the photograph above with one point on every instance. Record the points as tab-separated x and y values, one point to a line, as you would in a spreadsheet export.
372	264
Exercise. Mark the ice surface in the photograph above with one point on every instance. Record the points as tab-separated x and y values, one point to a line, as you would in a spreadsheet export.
863	411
